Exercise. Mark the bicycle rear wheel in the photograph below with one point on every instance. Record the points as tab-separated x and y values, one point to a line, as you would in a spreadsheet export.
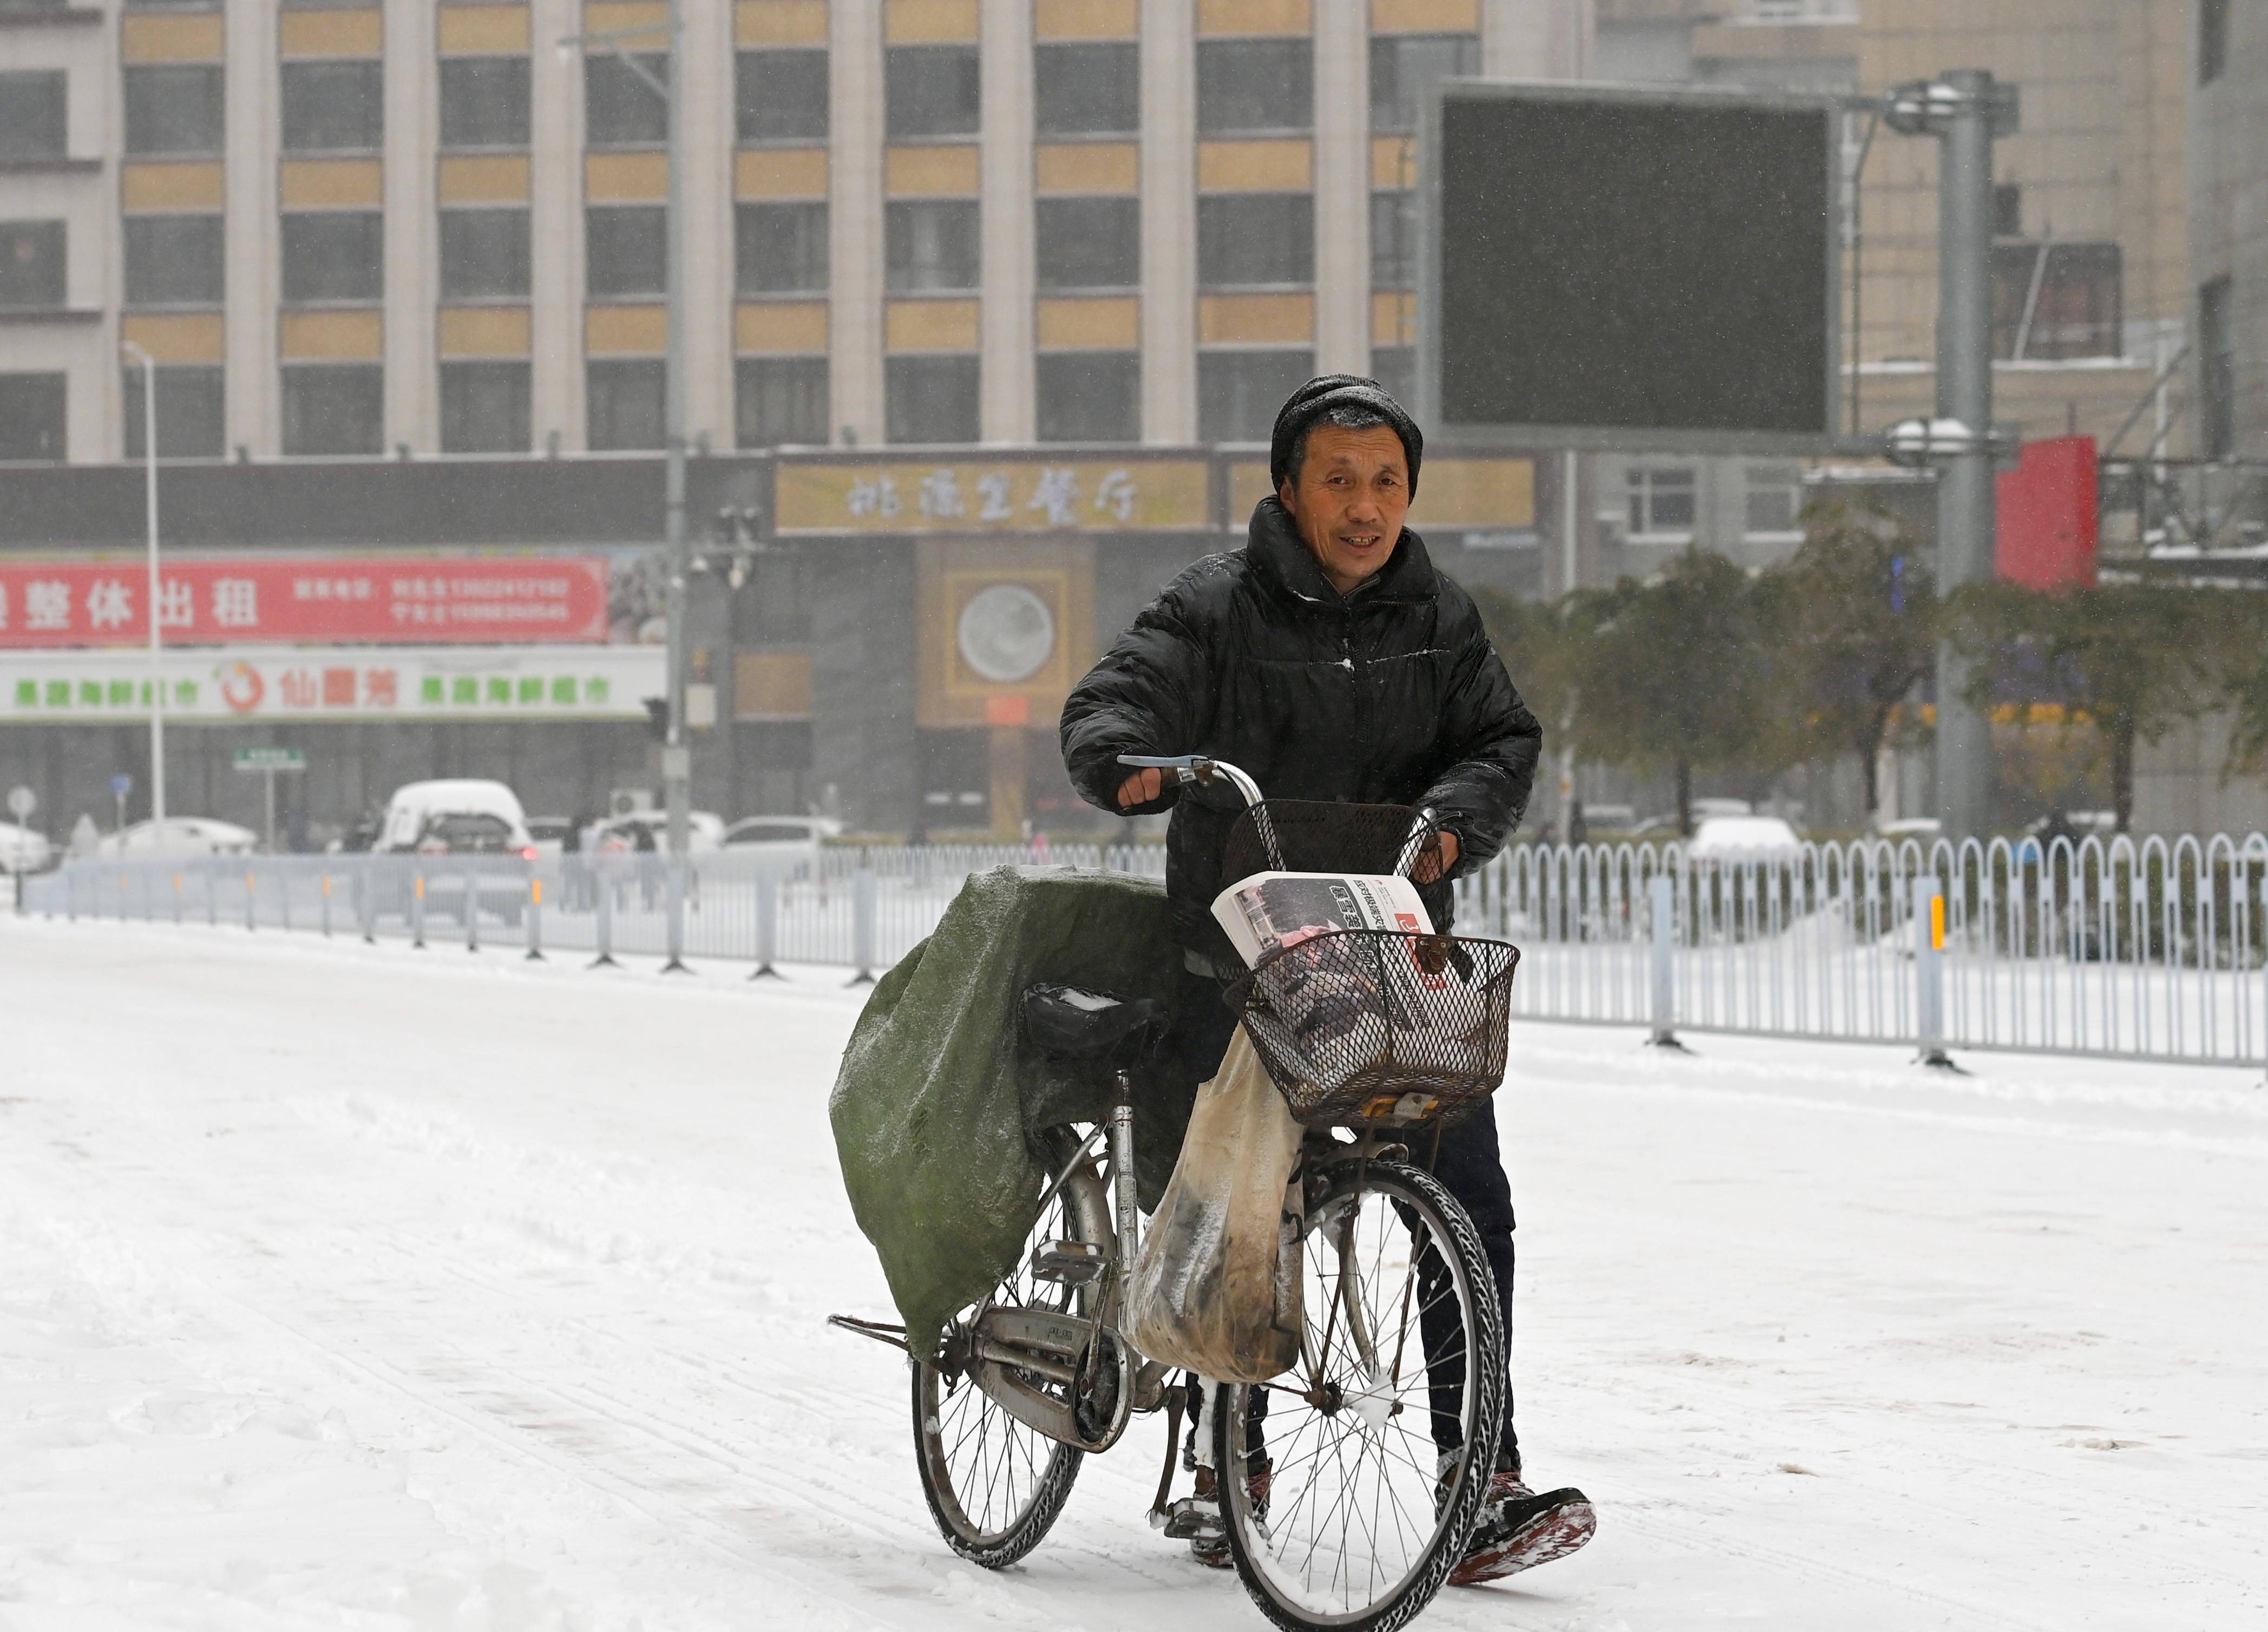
1350	1486
995	1484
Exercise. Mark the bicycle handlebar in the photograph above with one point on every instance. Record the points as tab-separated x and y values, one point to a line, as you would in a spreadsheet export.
1197	767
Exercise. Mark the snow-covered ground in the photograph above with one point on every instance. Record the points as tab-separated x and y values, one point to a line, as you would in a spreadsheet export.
362	1287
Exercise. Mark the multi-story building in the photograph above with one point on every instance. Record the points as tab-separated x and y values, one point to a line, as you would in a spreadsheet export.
428	228
2228	217
2093	296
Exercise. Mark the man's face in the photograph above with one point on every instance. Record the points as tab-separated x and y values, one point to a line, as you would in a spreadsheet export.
1353	493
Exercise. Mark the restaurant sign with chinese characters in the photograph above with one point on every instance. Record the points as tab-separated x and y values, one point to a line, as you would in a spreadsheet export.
394	683
419	600
1076	495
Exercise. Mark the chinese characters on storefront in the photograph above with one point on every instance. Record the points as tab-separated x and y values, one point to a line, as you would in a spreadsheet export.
1079	496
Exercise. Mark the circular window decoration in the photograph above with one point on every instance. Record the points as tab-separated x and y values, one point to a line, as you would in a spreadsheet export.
1006	633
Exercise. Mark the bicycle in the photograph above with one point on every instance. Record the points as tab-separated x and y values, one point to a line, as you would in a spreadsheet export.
1339	1512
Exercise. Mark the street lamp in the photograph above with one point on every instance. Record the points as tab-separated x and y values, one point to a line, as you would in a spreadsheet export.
676	753
156	677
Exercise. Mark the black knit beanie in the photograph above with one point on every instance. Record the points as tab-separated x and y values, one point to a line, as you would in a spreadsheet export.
1318	397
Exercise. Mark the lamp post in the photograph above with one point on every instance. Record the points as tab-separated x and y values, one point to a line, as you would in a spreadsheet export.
676	753
1965	109
157	677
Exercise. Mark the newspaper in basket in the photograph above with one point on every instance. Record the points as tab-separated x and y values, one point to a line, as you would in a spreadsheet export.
1359	1010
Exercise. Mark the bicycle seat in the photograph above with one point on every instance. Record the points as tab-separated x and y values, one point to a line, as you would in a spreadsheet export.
1070	1021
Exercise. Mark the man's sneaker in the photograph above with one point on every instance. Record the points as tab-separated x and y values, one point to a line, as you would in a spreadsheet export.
1519	1529
1196	1519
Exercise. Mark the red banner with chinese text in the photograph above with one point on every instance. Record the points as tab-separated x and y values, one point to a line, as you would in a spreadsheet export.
331	601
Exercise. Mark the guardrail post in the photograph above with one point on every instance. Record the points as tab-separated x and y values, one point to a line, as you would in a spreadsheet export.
327	905
1662	914
767	927
283	898
675	880
534	916
1929	973
472	908
603	928
121	898
862	925
212	897
250	882
177	897
417	908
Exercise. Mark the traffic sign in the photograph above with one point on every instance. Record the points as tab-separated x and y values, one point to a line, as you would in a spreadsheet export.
120	786
22	802
270	760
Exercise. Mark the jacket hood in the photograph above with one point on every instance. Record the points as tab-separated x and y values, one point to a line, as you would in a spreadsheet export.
1273	545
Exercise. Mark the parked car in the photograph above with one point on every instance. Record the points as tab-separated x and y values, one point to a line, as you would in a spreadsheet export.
1742	838
1923	829
184	835
457	816
789	840
648	830
25	850
549	834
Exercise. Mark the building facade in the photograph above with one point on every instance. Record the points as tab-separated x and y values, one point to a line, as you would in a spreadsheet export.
2229	219
430	229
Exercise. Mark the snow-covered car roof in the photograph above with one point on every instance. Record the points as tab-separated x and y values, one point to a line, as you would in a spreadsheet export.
1742	835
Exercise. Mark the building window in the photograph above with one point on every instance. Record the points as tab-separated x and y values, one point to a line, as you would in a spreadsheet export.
1394	241
2213	40
2217	370
1775	500
2052	301
1403	67
780	96
780	249
173	108
334	408
484	254
33	117
333	108
1091	89
1660	502
932	243
1088	243
1395	368
484	102
779	401
1090	396
625	249
1263	239
31	417
931	90
31	264
1239	392
484	407
619	108
625	397
931	398
333	254
1247	85
175	261
2009	209
190	423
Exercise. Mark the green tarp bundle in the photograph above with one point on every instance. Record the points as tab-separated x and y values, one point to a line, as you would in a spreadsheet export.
938	1091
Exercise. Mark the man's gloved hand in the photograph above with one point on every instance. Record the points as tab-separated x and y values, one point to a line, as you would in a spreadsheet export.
1436	859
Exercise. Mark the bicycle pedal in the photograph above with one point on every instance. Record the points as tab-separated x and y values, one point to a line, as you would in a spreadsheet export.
1194	1518
1068	1263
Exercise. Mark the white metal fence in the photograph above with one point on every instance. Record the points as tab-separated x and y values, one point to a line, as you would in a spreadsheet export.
2149	950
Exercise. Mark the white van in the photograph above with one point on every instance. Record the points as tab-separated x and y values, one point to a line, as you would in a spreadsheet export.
462	816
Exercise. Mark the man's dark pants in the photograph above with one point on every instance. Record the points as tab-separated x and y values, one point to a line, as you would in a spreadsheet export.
1467	1163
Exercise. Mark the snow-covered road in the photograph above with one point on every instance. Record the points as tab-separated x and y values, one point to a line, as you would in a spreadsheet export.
366	1287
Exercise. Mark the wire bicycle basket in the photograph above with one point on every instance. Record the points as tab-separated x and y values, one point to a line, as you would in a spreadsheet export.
1367	1026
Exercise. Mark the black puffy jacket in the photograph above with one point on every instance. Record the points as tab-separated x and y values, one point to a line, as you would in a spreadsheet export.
1391	695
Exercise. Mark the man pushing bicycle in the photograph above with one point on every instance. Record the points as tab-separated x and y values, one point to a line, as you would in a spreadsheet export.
1330	660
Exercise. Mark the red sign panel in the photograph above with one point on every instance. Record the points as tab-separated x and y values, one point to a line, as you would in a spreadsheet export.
331	601
2048	515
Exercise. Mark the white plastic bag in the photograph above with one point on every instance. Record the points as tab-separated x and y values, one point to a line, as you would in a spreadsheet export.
1216	1288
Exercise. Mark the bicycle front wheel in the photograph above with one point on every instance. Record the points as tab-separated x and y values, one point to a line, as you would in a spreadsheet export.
1352	1485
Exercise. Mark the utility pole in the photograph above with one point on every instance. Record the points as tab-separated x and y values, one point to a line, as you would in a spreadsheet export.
676	753
1965	109
154	606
